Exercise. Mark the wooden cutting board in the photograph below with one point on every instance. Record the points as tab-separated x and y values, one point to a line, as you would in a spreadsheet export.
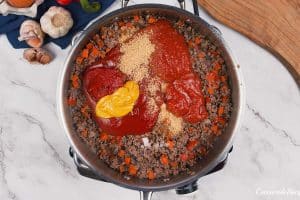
273	24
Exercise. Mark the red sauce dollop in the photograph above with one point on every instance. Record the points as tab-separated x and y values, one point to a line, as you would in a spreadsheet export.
185	98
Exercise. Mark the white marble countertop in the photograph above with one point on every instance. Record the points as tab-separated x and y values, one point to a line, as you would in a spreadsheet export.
34	160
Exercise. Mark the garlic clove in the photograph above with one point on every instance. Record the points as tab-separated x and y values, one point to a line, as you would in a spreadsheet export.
37	55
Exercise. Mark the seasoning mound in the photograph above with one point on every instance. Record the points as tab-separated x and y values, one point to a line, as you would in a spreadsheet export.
136	54
174	124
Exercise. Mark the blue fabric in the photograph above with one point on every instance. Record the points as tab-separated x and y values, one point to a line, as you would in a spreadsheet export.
10	24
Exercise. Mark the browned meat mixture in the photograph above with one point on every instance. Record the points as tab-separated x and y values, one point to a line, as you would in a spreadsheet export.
154	154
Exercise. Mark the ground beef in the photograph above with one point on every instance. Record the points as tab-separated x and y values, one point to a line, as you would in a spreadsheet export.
144	155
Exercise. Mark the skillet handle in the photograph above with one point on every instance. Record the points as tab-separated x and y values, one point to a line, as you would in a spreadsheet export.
181	3
145	195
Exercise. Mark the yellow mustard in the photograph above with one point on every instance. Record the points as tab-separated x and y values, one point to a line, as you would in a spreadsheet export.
120	103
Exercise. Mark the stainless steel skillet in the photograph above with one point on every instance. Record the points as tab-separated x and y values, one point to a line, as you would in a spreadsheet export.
87	162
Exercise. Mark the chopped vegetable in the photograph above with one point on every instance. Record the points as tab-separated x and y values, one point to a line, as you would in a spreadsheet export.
79	60
170	144
121	153
75	81
103	136
132	170
84	110
215	129
136	18
201	55
71	101
127	160
150	174
85	53
184	157
164	160
197	40
221	110
191	145
90	7
151	20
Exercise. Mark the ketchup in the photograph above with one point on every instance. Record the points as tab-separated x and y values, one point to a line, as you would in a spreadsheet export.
171	59
185	98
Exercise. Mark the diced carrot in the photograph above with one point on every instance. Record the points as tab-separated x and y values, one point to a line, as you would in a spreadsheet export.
183	157
71	101
121	153
214	128
127	160
211	77
164	159
170	144
225	99
89	45
215	53
191	129
151	20
217	66
201	55
95	52
84	110
79	60
223	78
103	136
191	144
190	43
85	53
136	18
75	81
210	90
150	174
221	110
132	170
197	40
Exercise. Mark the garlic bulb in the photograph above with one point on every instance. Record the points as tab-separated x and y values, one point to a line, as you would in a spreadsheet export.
56	22
32	33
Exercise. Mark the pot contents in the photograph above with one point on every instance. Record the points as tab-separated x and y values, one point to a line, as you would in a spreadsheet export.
149	96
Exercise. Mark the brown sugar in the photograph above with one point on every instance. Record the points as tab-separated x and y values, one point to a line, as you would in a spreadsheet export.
135	57
175	124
